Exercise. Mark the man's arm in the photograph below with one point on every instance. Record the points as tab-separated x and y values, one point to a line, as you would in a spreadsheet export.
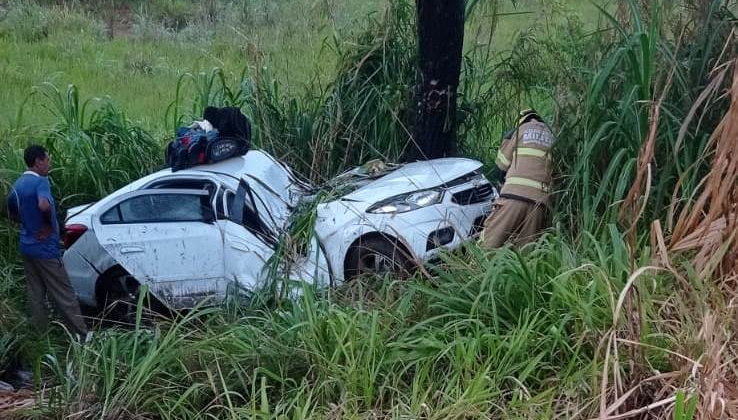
504	157
44	206
505	153
12	206
47	227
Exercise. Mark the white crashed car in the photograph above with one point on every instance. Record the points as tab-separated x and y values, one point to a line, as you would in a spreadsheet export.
189	235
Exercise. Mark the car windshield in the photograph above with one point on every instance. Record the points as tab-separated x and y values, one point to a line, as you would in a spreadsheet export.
355	178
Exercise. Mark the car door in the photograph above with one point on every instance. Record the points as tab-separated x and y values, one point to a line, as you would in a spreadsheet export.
247	245
168	240
251	240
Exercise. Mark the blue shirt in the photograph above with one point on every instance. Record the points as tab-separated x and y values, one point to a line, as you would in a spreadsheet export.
23	200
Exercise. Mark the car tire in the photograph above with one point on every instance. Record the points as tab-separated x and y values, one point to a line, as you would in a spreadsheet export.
118	297
378	257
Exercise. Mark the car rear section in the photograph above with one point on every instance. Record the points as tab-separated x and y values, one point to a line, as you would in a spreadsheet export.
84	258
146	230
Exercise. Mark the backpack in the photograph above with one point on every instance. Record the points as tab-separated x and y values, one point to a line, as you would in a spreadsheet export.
193	145
189	147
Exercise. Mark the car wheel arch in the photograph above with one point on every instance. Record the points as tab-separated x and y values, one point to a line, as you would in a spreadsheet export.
102	284
374	237
105	290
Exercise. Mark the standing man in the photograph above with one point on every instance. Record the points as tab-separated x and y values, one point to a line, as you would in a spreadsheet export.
524	165
30	202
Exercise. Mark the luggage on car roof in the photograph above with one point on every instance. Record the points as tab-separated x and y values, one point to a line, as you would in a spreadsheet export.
223	133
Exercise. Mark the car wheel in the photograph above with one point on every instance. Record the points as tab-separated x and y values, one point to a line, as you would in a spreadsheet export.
119	296
377	257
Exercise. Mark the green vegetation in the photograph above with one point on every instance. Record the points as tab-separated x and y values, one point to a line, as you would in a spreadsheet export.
624	308
134	51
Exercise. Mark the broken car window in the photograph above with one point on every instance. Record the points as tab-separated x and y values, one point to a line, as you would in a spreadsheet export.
160	208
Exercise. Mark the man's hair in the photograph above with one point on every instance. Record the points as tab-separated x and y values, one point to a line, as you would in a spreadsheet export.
32	153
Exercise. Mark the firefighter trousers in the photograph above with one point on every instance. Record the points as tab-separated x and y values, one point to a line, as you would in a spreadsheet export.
513	220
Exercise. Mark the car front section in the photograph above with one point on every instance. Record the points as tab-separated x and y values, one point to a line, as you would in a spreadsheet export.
407	214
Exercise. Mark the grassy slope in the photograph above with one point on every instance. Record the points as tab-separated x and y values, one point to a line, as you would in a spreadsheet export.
140	69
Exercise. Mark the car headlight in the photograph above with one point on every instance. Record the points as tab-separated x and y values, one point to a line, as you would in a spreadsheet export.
406	202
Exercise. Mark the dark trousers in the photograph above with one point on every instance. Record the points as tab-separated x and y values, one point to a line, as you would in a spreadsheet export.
49	278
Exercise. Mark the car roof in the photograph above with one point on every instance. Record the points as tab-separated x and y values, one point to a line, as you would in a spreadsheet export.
255	163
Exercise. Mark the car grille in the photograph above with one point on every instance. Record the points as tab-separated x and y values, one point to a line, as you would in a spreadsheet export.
474	195
478	225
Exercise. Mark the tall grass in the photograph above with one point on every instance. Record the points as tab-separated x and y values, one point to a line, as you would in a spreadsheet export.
512	322
585	322
607	133
95	149
509	334
364	113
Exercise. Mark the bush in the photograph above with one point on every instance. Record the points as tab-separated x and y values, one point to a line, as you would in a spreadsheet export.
27	21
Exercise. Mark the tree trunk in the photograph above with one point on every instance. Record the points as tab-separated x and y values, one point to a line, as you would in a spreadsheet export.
440	43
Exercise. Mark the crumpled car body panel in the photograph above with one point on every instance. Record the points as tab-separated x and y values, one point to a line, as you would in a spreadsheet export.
188	254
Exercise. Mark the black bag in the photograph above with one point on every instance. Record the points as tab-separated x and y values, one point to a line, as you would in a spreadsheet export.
234	130
230	137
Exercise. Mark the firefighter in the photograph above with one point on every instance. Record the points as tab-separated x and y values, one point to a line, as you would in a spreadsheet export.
524	171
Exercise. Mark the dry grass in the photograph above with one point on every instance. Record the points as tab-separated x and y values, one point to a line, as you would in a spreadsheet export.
704	233
635	202
709	226
12	402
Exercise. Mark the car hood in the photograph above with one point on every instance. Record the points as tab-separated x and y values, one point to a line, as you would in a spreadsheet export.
413	177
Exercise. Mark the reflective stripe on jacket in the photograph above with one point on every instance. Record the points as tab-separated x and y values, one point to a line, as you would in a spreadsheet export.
525	157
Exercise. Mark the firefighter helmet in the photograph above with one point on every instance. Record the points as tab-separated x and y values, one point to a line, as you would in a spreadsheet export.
528	114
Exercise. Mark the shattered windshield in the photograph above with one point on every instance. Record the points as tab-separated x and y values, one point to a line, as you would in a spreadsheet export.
357	177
